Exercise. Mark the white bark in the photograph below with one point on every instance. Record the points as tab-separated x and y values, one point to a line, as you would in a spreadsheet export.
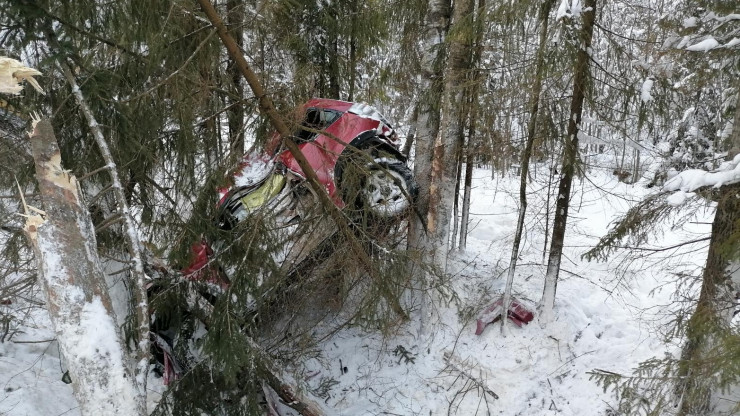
437	19
446	144
71	274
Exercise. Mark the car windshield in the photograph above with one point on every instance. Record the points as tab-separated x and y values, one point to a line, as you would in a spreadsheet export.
316	119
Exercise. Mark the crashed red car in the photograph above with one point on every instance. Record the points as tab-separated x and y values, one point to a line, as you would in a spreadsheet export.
330	136
336	137
354	152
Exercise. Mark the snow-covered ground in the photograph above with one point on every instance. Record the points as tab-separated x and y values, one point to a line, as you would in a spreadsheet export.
608	317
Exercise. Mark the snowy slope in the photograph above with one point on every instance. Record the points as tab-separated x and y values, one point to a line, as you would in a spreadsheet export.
532	370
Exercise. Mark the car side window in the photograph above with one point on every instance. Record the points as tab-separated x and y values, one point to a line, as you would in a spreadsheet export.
316	119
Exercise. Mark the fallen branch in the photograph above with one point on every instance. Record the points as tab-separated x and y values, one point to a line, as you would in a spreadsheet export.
465	370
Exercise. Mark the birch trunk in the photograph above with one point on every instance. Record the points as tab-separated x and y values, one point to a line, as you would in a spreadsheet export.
63	239
131	236
527	155
570	159
446	145
436	21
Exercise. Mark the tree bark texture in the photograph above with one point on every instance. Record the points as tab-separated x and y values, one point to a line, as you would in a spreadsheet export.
570	159
428	108
474	83
436	24
446	145
73	280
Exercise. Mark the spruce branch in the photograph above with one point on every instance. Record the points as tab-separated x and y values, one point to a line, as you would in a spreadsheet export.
267	108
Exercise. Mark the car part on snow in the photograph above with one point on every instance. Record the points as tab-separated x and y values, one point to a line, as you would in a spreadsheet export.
171	368
518	314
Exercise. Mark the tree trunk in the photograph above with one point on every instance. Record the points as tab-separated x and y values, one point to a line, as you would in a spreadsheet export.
352	61
446	145
235	115
570	159
63	239
527	153
436	20
456	197
131	236
406	151
699	387
472	115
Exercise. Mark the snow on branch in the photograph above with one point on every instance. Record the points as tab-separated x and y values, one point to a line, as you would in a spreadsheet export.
690	180
704	46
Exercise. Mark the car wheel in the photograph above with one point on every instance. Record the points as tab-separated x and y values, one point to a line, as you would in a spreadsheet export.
383	188
387	188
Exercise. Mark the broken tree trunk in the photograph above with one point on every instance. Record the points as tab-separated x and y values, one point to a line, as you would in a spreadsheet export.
63	239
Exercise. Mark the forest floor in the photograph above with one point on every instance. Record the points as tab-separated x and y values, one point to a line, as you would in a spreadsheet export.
609	316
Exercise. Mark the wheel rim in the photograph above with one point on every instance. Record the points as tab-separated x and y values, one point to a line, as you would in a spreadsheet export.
384	192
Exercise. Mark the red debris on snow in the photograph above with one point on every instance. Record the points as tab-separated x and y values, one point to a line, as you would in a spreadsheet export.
518	314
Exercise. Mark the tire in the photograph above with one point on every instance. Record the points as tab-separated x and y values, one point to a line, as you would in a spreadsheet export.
383	189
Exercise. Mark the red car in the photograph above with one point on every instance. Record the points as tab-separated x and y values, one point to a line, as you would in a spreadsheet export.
334	135
354	152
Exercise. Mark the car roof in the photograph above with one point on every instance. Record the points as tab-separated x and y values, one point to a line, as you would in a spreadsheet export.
338	105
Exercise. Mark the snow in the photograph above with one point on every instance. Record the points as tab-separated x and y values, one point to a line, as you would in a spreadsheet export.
647	86
693	179
690	22
562	10
704	46
732	43
367	111
256	167
534	371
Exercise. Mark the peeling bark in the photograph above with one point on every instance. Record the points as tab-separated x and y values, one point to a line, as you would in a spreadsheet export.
63	239
428	120
446	145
